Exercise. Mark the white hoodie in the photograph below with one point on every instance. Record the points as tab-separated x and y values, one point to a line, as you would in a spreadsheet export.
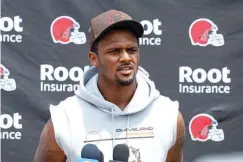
147	124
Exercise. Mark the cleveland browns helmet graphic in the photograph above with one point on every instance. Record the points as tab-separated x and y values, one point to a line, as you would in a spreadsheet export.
202	127
64	30
6	83
203	32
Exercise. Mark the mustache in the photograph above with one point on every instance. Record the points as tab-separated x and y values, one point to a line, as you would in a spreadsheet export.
126	65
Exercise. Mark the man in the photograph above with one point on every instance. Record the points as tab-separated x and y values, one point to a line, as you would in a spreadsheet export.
116	103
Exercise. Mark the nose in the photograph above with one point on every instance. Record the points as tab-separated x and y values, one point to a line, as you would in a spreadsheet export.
125	56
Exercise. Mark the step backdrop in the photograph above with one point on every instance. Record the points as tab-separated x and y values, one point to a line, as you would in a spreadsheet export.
193	50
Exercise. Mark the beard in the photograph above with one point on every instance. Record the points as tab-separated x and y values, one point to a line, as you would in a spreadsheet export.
126	81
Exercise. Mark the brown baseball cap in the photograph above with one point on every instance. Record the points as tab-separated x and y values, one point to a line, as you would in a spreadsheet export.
112	19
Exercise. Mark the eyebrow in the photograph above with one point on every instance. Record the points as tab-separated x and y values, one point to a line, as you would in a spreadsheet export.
118	46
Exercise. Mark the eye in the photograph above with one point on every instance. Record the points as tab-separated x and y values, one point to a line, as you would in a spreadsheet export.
132	50
114	51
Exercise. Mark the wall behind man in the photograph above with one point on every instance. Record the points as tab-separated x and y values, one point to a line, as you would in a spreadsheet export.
37	72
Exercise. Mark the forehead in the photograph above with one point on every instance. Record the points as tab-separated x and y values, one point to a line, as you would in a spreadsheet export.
118	37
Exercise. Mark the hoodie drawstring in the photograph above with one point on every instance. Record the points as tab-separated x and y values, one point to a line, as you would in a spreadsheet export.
128	123
113	130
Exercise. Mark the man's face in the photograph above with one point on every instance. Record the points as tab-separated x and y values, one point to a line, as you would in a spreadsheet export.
118	57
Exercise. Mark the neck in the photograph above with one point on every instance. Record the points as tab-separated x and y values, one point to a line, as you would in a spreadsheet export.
116	93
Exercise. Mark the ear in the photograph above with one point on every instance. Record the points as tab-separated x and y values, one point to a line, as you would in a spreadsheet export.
93	58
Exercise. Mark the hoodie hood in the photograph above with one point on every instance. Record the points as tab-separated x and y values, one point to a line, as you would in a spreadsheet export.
144	95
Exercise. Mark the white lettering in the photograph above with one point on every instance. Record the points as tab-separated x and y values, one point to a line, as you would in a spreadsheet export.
157	41
60	73
78	71
211	74
7	24
17	22
147	26
10	38
226	78
156	25
6	121
203	89
199	75
16	120
46	72
227	89
18	38
186	74
151	27
149	41
18	135
58	87
10	135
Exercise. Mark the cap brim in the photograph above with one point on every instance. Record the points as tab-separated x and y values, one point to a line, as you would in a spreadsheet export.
131	25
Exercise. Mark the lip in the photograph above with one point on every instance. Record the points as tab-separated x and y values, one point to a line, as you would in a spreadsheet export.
126	69
126	72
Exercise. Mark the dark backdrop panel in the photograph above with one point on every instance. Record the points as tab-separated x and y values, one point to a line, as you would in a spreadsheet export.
36	53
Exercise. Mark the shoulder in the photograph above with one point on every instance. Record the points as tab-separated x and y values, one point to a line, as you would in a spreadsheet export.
48	132
69	100
180	122
165	109
175	153
168	101
48	148
169	110
59	110
180	131
167	106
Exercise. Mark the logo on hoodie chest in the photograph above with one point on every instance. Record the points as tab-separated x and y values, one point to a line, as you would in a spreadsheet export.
136	132
93	137
96	137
